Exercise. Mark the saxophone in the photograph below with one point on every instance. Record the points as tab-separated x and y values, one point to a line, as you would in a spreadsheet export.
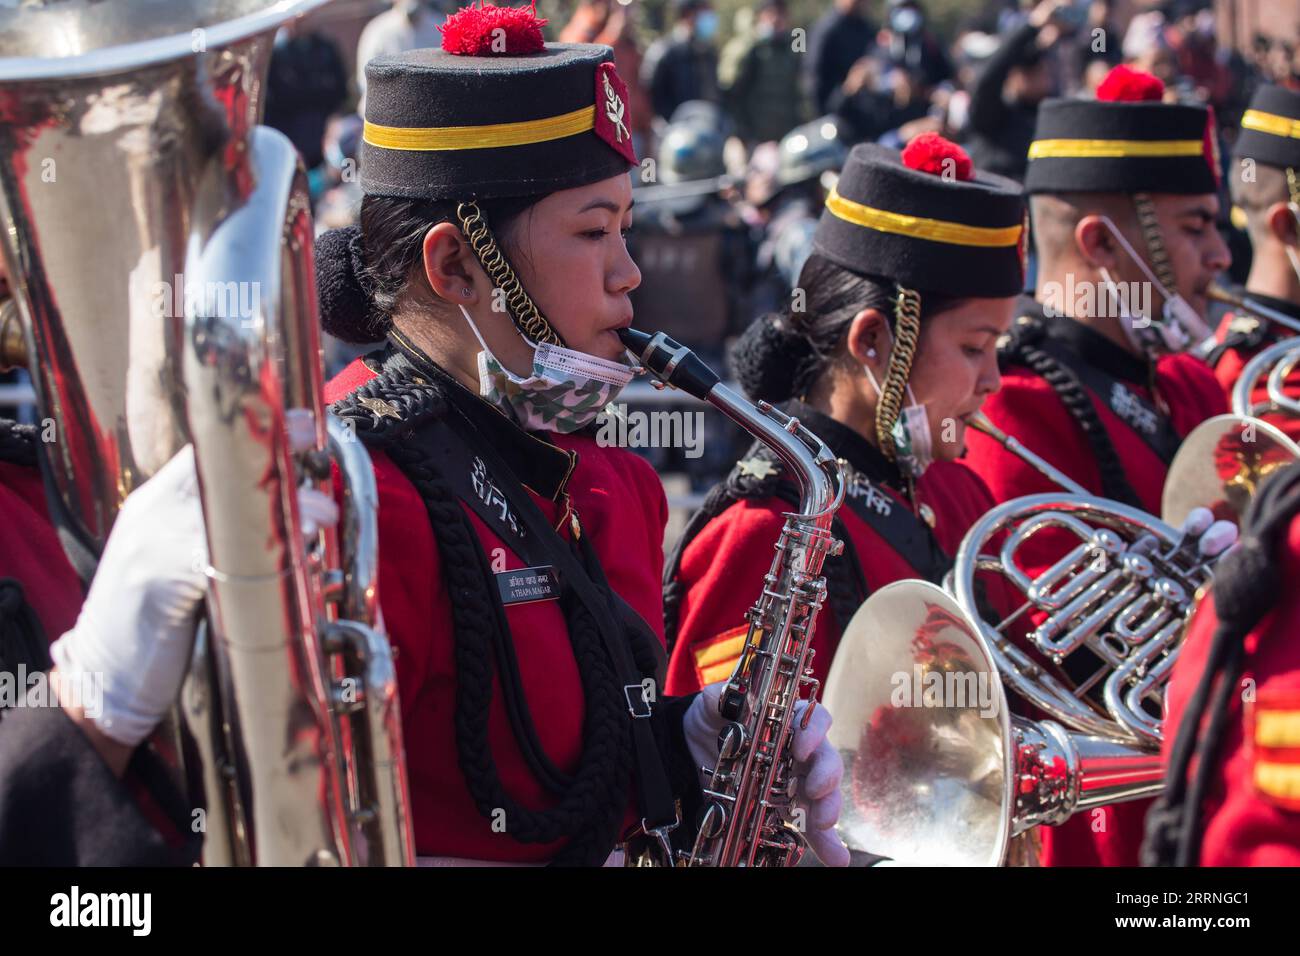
747	820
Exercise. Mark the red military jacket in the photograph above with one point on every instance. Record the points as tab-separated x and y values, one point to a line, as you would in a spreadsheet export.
1028	408
1242	337
622	510
1251	814
31	554
721	570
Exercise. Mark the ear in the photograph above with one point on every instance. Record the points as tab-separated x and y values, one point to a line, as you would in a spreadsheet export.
868	341
449	265
1281	223
1095	242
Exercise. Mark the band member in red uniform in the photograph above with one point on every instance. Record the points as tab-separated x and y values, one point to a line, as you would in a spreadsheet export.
1265	184
1232	740
889	342
519	560
1093	376
39	590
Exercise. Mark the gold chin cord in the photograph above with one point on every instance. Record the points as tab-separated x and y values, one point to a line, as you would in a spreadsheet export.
527	317
163	275
893	390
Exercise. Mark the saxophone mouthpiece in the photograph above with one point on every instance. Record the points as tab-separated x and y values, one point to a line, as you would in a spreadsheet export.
670	362
634	341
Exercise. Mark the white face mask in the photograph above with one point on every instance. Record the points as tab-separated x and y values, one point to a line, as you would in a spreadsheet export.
1180	326
913	445
565	393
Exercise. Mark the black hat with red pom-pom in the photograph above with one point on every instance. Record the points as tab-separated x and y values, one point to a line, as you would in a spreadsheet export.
926	220
496	112
1127	140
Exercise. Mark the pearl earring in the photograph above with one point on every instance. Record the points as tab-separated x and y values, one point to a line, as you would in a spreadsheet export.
871	353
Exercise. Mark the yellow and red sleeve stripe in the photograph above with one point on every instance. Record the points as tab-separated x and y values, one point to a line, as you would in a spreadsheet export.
716	658
1276	748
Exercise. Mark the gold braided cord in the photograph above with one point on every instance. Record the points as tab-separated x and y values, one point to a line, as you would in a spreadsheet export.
907	329
1292	186
523	310
1146	213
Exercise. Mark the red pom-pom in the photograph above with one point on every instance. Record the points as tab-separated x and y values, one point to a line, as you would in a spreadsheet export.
931	153
473	31
1126	85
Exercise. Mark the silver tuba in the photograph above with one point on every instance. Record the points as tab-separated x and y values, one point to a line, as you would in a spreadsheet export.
159	243
749	793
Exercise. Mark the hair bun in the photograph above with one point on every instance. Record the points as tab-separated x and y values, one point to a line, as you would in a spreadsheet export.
347	310
771	360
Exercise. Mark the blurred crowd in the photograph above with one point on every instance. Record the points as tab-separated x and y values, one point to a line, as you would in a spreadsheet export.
741	138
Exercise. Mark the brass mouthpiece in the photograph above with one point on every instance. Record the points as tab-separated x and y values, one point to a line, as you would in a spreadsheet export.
1218	293
980	422
13	344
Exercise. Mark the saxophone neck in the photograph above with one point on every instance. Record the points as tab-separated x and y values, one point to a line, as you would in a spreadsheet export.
807	456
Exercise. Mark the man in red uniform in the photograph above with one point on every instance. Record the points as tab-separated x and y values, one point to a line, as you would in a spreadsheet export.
1265	184
1233	701
1093	381
39	590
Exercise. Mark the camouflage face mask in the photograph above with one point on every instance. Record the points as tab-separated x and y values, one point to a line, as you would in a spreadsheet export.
565	393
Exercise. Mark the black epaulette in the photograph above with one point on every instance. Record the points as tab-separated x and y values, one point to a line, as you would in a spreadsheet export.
392	404
17	443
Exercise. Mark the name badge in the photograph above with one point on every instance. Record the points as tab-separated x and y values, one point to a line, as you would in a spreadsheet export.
525	585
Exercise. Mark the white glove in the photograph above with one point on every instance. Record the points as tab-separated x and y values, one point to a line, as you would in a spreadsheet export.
1213	537
136	628
817	766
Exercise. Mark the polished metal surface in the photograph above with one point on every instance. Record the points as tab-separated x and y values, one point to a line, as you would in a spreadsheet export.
1221	464
922	784
937	772
1275	363
159	244
1253	307
1120	595
749	795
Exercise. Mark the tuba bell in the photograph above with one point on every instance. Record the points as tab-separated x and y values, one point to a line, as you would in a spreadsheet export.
159	243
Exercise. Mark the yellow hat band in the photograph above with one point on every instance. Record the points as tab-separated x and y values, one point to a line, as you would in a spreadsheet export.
1271	123
1114	148
919	227
443	138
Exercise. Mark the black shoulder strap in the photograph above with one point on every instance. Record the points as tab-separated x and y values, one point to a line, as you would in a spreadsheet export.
1141	417
897	524
541	543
